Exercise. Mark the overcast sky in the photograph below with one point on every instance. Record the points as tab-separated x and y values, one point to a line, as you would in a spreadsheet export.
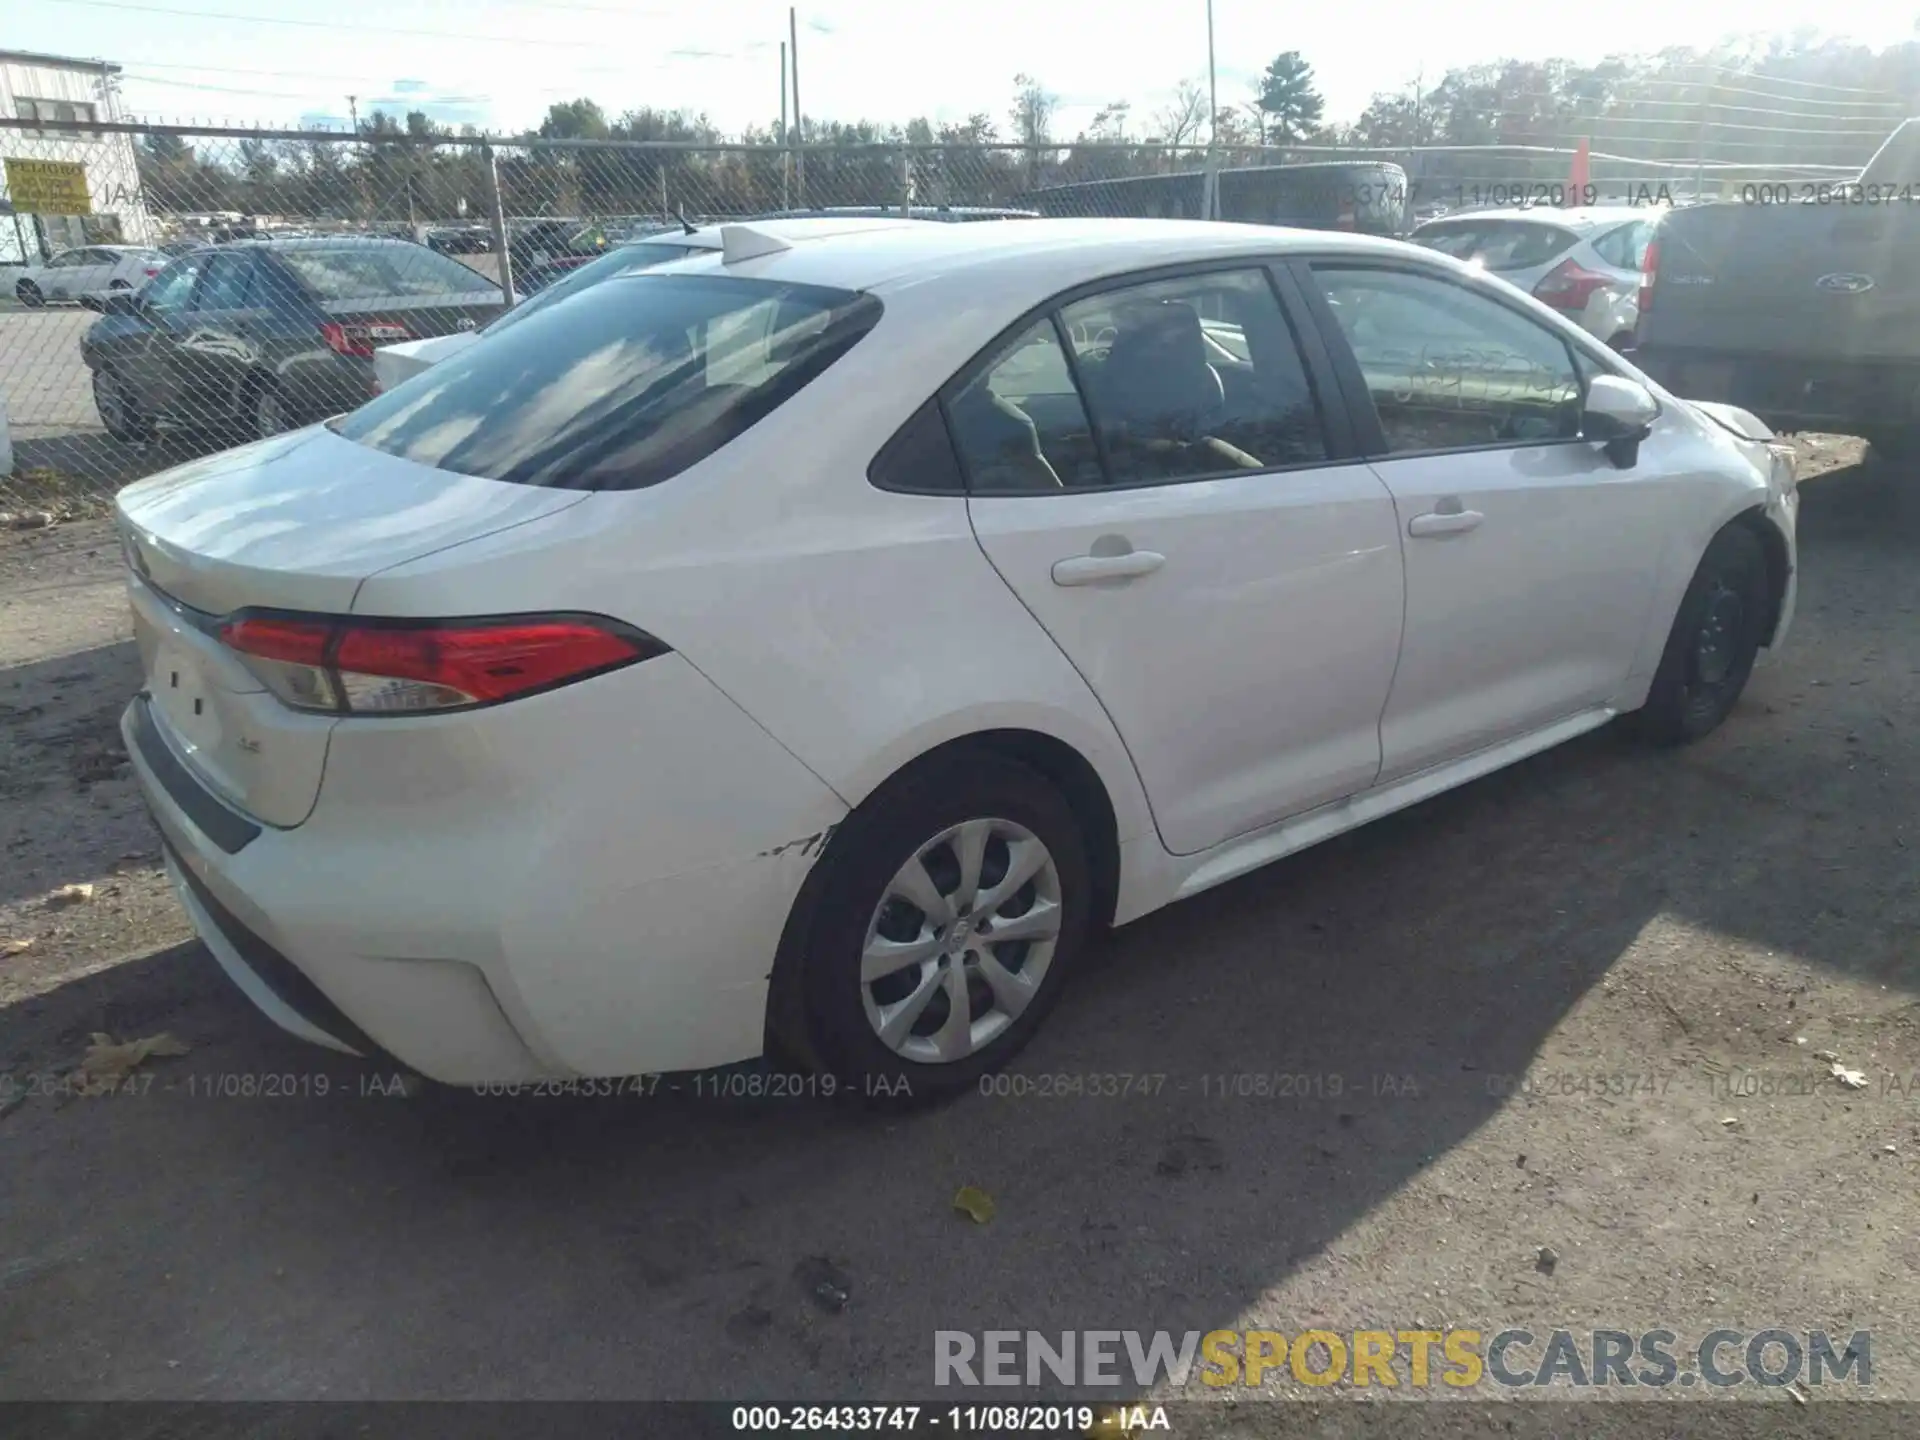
500	63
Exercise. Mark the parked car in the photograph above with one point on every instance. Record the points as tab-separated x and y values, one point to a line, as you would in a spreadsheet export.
806	649
394	363
461	239
269	336
1583	262
86	270
544	250
1794	299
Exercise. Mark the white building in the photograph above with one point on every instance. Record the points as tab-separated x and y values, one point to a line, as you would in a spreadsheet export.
58	87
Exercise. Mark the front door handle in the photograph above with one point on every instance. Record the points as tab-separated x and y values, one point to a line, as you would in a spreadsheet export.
1444	522
1090	569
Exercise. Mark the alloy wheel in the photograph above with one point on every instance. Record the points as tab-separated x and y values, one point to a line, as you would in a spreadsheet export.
961	941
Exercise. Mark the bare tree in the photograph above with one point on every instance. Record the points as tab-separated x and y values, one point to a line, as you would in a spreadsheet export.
1032	113
1032	117
1110	122
1182	119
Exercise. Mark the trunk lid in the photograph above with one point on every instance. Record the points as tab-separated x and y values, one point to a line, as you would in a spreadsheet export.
1813	281
296	522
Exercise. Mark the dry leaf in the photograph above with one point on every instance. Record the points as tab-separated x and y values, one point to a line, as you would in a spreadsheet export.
71	894
974	1203
1852	1079
17	947
107	1063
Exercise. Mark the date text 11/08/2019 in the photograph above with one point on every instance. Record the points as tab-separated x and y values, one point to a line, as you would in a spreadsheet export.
1093	1420
1520	193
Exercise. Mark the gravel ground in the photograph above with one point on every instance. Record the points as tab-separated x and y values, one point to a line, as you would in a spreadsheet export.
1691	926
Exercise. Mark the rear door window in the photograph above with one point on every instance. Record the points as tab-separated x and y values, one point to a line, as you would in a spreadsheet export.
1499	244
1195	376
619	388
378	272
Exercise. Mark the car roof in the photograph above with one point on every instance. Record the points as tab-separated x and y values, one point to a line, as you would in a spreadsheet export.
912	212
792	228
1050	254
1581	219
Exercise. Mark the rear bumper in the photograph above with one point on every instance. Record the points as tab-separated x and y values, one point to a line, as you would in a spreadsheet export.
609	907
1793	394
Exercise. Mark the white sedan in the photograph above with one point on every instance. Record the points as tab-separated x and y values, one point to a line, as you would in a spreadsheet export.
87	270
806	648
1584	262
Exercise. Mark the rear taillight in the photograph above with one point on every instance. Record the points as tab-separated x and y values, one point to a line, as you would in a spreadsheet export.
360	340
150	272
1649	272
358	667
1569	285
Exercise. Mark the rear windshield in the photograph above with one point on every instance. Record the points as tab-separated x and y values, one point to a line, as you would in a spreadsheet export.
622	261
370	272
619	389
1497	244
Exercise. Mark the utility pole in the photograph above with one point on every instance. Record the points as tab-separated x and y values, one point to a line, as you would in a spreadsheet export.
1213	89
786	141
799	124
1210	191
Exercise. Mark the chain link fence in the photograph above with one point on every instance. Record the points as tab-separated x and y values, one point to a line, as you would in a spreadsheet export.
196	287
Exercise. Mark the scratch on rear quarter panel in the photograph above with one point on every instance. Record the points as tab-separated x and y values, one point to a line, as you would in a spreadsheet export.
807	844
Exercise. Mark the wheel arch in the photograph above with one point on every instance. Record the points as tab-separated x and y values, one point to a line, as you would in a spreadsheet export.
1061	764
1773	545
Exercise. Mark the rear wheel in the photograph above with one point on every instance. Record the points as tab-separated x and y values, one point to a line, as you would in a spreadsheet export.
28	294
1711	649
956	904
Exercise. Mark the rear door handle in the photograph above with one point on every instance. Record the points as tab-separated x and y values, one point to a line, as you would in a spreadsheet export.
1090	569
1444	522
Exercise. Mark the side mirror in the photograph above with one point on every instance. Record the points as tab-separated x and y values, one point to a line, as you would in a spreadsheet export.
1619	414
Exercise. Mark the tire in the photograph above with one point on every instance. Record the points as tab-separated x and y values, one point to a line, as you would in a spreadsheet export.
28	294
915	817
269	411
1711	649
117	410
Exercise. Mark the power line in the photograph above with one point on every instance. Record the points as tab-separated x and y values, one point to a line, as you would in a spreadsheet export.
357	76
1788	80
355	28
415	101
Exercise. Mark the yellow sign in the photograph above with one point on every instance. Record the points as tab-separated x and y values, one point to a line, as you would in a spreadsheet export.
48	187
